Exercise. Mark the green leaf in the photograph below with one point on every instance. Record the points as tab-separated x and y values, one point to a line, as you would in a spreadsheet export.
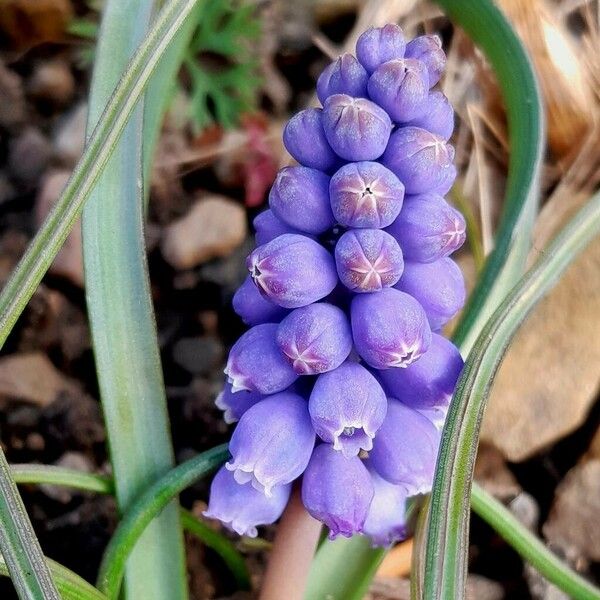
61	476
54	231
90	482
221	545
343	569
20	548
488	28
122	320
70	586
447	538
530	547
147	506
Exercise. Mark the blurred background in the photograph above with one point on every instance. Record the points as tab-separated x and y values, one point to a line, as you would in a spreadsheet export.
249	66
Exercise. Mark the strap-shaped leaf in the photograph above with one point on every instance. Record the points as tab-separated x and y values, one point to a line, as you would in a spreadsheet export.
20	548
448	530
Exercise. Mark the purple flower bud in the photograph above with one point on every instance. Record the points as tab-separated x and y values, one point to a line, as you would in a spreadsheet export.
356	128
268	227
337	490
429	382
343	76
439	287
292	270
256	364
377	45
428	228
401	88
365	194
421	160
405	449
272	443
347	407
315	338
389	329
438	116
253	307
234	405
300	198
241	508
368	260
436	414
386	520
304	138
428	49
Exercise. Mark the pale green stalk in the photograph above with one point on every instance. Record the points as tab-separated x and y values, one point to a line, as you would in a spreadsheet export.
122	318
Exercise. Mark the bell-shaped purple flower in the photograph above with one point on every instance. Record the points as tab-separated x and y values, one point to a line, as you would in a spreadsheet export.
405	449
347	407
368	260
292	270
234	405
343	76
241	508
428	228
337	490
268	227
390	329
304	138
300	198
439	287
256	364
428	383
386	521
428	49
356	128
438	115
365	194
377	45
253	307
421	160
400	87
315	338
272	443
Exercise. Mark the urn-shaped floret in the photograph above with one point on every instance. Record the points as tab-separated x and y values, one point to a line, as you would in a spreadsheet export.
428	228
368	260
300	198
347	407
337	490
389	328
405	449
242	508
377	45
365	194
304	138
386	521
315	338
401	88
256	364
272	443
421	160
356	128
292	270
343	76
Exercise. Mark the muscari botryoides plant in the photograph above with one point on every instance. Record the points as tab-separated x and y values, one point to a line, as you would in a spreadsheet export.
344	377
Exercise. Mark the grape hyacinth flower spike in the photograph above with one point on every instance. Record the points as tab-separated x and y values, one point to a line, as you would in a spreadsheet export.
343	380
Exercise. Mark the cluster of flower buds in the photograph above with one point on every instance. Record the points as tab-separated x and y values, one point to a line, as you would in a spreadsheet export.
343	378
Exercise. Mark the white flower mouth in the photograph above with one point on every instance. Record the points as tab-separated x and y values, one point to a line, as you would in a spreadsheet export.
245	474
405	356
352	438
239	382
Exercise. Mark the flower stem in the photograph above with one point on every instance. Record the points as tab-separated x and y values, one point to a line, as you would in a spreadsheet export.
293	550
